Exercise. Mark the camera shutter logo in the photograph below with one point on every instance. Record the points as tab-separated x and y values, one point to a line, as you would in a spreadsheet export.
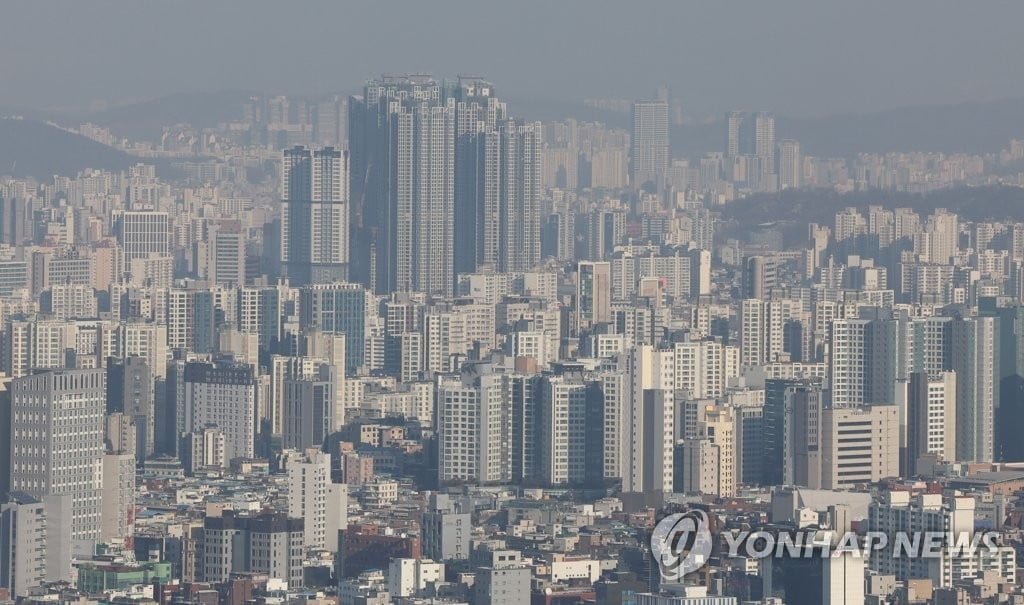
681	543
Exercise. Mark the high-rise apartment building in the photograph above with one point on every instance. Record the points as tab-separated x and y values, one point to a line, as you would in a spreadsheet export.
498	183
750	143
650	144
647	423
733	137
791	165
259	312
931	418
402	138
763	330
315	215
518	217
976	358
764	139
562	420
191	316
445	182
864	361
474	421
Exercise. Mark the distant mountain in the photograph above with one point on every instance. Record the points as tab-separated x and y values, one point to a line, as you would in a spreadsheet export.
146	120
40	150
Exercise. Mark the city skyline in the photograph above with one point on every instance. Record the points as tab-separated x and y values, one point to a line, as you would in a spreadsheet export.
411	345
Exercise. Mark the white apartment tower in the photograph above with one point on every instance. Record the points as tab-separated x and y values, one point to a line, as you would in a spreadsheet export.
648	421
791	164
650	143
474	424
931	418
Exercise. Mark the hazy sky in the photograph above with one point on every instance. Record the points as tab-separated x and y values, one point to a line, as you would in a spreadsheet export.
797	57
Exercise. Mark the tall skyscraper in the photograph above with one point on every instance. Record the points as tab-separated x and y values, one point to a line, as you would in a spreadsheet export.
647	425
976	363
498	183
753	137
402	136
790	164
764	138
445	182
734	134
519	216
650	152
56	442
931	418
314	215
477	174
